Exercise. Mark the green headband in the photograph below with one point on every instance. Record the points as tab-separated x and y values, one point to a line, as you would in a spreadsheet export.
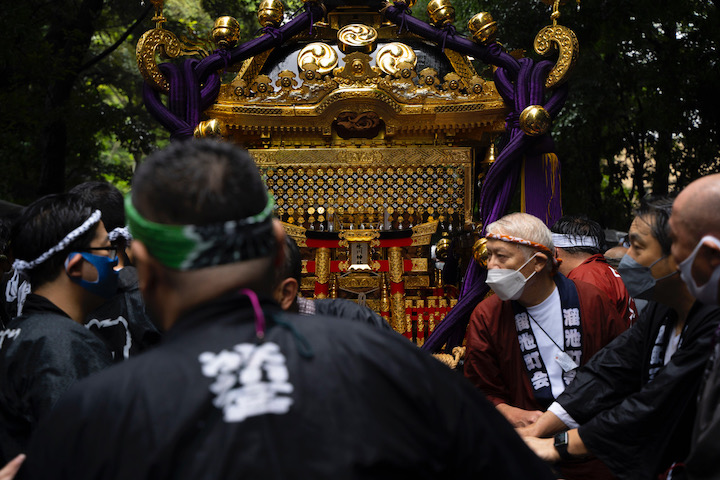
190	247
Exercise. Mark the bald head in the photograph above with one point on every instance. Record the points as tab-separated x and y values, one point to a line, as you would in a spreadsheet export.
696	211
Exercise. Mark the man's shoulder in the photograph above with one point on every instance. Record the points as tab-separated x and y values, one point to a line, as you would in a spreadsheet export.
57	327
594	268
490	305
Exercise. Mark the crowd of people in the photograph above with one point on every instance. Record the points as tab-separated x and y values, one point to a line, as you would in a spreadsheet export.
162	336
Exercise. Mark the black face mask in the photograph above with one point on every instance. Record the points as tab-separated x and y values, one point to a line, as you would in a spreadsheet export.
639	279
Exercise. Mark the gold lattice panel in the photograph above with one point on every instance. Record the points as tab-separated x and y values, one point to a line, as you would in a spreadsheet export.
409	186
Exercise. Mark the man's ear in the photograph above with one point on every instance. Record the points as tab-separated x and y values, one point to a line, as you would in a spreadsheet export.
541	259
73	265
287	292
144	263
711	252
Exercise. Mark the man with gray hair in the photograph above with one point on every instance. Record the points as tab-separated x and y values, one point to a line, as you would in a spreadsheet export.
525	342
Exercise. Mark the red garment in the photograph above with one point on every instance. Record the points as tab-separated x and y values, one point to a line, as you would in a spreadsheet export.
596	271
494	364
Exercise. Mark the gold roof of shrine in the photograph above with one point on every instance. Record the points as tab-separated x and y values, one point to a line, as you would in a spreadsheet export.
356	81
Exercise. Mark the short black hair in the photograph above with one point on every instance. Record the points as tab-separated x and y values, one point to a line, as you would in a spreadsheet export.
656	211
105	197
580	225
291	266
42	225
198	182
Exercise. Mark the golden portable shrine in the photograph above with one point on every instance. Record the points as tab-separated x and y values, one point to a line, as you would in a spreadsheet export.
373	131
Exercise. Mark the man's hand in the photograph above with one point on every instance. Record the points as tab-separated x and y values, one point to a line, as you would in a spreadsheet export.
543	448
517	416
8	472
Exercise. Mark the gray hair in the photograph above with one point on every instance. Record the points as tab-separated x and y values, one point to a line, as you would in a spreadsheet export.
527	227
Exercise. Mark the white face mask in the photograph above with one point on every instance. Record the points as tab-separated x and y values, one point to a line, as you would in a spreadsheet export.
506	283
707	293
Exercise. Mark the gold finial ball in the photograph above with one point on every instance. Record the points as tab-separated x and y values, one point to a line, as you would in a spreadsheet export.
483	28
441	12
226	32
270	13
442	248
480	253
209	128
552	2
535	120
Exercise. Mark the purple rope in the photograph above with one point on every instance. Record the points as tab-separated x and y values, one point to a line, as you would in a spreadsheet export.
447	30
492	54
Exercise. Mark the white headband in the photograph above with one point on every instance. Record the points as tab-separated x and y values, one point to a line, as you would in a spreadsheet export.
22	265
570	241
119	232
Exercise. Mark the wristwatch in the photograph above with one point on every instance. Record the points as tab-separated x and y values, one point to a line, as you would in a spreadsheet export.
560	442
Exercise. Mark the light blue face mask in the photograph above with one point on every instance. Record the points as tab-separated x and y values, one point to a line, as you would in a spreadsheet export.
106	284
638	279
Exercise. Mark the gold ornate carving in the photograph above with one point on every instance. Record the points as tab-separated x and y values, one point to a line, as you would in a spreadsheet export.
320	54
564	40
270	13
209	128
483	28
296	232
480	253
535	120
441	12
356	281
357	37
357	69
384	293
395	260
397	312
226	32
417	281
150	44
360	236
391	56
419	264
322	265
428	228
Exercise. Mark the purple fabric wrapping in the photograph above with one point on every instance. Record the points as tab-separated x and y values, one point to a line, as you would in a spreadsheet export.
541	199
194	85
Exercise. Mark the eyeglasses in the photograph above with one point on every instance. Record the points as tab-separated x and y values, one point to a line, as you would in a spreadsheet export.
111	251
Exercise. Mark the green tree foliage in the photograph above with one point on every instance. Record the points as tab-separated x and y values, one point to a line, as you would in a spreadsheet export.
70	91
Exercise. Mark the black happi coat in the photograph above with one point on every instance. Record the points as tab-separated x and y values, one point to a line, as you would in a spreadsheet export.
338	307
637	426
122	321
328	399
702	462
42	353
